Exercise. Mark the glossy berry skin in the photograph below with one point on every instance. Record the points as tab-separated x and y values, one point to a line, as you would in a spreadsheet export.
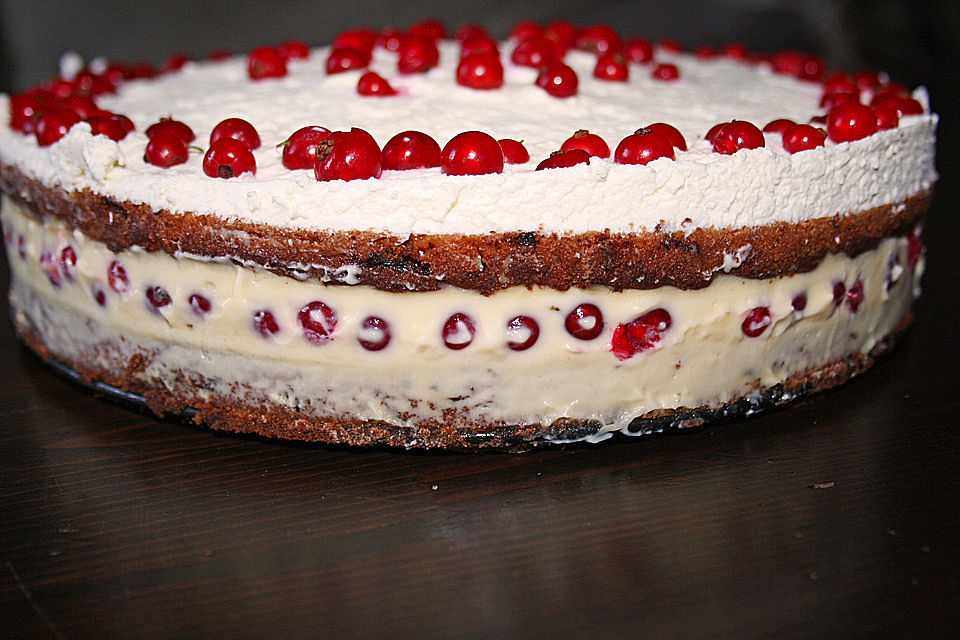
345	59
458	331
839	292
53	125
831	100
417	54
802	137
593	144
711	135
867	80
228	158
362	40
165	150
25	110
429	29
903	105
640	334
559	80
643	147
300	149
479	43
670	45
174	127
410	150
513	151
265	323
666	71
736	51
294	50
799	302
239	130
374	333
83	106
611	67
373	84
520	326
266	62
851	121
471	153
109	126
564	159
887	117
599	39
68	261
756	322
585	322
525	30
840	83
737	135
390	40
778	126
562	34
480	71
669	132
534	52
318	322
638	50
348	155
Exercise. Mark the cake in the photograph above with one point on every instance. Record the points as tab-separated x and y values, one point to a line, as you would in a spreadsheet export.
595	236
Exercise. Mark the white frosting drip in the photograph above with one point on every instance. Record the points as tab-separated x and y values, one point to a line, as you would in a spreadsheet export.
699	189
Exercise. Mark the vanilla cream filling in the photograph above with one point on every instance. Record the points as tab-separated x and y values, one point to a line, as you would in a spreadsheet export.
703	358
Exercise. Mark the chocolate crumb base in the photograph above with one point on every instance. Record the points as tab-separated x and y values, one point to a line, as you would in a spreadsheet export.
277	422
484	263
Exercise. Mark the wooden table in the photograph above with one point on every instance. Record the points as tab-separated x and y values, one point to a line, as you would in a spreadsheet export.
837	517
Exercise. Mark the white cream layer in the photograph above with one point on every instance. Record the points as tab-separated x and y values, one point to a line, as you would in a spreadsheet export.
699	189
704	357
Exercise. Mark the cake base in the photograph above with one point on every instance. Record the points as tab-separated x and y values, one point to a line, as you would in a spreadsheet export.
277	422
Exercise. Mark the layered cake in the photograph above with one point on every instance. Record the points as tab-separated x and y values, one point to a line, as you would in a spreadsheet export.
429	240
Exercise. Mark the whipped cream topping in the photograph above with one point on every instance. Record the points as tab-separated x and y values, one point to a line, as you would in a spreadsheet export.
699	189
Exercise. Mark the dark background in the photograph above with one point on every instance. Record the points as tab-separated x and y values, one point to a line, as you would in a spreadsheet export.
838	517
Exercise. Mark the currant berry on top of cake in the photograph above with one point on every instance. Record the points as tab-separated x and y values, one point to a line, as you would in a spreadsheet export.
415	239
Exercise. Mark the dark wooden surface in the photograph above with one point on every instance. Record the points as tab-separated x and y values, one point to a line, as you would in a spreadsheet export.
838	517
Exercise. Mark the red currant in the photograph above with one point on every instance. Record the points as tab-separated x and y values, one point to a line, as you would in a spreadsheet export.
348	155
173	127
643	147
738	135
25	109
593	144
525	30
458	331
294	50
228	158
345	59
471	153
831	100
410	150
903	105
373	84
640	334
265	323
558	80
737	51
109	126
669	132
239	130
266	62
670	45
53	125
802	137
585	322
318	322
533	52
513	151
362	40
479	43
480	71
83	106
756	322
840	83
778	126
117	277
711	135
157	297
430	29
887	117
300	149
417	54
851	121
374	333
666	72
612	67
599	39
165	150
562	34
526	330
200	304
564	159
638	50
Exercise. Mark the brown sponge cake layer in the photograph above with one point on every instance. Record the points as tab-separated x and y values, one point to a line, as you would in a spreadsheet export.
484	263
